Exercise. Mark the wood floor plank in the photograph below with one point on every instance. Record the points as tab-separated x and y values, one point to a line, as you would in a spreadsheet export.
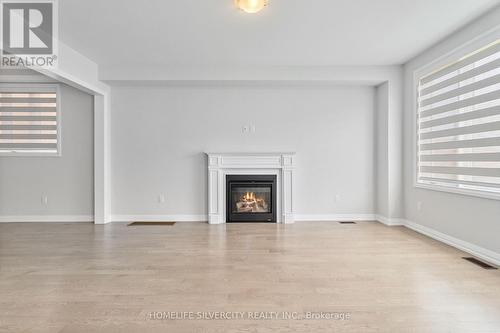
80	277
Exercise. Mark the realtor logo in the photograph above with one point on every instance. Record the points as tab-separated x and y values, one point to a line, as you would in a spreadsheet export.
28	33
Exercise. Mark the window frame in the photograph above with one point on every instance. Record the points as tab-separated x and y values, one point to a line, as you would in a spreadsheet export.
440	61
38	87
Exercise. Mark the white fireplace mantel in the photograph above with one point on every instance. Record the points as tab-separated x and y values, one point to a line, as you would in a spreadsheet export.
280	164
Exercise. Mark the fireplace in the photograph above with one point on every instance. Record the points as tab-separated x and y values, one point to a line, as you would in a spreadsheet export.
251	198
280	165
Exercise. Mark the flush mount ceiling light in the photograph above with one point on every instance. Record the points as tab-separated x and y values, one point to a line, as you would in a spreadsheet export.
251	6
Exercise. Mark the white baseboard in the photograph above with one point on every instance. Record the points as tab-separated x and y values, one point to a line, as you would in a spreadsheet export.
158	218
389	221
204	218
46	218
476	251
334	217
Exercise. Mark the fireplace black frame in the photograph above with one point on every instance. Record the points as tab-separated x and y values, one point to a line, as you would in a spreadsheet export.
251	181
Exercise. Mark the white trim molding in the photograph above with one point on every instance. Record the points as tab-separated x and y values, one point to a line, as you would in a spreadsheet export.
204	218
334	217
477	251
280	164
46	218
159	218
389	221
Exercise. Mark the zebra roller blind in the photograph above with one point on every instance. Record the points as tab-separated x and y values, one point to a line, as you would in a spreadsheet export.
459	124
29	120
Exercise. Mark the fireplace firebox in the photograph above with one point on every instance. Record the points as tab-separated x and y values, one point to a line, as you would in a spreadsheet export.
251	198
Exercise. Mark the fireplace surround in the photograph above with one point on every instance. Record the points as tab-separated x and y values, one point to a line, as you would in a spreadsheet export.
280	165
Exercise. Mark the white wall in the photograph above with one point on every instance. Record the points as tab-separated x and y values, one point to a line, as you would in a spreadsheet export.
78	71
67	180
470	219
382	153
388	159
159	134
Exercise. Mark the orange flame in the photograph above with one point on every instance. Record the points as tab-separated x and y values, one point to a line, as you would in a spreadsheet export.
249	196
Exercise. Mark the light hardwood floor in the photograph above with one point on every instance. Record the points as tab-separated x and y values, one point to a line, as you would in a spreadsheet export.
83	278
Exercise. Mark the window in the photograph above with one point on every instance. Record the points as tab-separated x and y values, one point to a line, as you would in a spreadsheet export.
29	120
459	125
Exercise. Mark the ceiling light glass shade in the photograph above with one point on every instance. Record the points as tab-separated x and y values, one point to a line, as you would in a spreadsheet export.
251	6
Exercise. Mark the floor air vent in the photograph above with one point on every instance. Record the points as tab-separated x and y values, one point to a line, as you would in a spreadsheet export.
150	223
479	263
347	222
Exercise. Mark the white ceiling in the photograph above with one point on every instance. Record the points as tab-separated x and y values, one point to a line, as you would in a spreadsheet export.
288	32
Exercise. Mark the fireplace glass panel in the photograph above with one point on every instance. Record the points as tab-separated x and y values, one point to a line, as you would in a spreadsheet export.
251	198
254	199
